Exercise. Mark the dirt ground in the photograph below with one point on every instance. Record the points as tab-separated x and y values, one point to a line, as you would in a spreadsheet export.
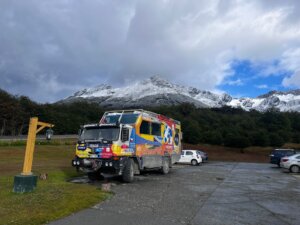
250	154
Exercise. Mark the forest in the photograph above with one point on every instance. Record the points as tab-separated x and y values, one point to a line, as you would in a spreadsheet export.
218	126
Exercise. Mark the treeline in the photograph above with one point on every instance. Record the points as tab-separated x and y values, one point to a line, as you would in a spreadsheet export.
235	127
15	112
219	126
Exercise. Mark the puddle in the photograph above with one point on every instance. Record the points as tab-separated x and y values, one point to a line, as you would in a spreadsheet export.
80	180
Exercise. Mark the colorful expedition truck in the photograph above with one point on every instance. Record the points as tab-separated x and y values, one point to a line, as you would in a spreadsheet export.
126	142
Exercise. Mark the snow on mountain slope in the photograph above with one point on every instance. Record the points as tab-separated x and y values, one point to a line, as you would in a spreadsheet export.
156	91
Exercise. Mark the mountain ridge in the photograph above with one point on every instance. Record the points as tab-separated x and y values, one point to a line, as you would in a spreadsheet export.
156	91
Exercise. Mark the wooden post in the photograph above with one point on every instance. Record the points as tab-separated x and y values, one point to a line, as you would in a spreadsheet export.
26	182
30	146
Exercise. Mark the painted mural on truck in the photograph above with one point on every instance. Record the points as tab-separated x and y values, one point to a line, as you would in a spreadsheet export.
149	135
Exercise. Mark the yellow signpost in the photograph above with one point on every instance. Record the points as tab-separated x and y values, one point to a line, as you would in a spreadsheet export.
27	181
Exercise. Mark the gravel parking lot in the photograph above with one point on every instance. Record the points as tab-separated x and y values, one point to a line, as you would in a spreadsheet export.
215	193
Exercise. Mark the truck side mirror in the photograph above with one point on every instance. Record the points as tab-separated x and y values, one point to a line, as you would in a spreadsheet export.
125	134
49	134
79	132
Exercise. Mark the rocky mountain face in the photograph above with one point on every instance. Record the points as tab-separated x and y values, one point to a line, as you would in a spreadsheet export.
156	91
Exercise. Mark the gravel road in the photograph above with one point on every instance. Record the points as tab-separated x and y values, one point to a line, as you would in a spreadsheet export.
218	193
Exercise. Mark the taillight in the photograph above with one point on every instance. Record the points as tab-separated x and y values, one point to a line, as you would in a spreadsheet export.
284	160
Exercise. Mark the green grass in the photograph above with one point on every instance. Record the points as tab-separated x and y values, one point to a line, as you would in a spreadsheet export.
70	141
54	198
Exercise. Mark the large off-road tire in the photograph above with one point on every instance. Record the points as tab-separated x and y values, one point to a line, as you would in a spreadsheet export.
294	169
165	169
128	171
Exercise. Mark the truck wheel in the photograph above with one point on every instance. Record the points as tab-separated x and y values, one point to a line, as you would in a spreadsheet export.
294	169
128	171
165	166
194	162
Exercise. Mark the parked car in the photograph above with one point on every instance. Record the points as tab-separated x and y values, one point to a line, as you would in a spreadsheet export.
190	156
277	154
291	163
204	155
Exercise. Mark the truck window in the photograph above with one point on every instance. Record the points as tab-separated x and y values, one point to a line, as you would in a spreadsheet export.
111	119
129	118
156	129
98	133
176	138
145	127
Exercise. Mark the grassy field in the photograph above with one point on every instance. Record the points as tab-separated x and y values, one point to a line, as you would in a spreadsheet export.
54	197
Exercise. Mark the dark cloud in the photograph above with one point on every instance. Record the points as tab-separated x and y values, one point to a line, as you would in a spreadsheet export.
51	48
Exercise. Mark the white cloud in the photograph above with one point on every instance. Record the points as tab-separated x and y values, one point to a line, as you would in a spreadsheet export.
291	59
237	82
83	43
262	86
291	62
292	81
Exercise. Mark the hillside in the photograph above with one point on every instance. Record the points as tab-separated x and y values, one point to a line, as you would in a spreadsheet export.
226	126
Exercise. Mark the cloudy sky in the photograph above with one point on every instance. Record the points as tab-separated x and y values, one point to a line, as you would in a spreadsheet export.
51	48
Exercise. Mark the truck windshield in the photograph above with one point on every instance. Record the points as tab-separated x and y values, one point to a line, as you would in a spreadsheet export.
100	133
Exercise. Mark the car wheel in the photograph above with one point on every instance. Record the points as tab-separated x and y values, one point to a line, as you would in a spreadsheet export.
295	169
194	162
165	167
128	171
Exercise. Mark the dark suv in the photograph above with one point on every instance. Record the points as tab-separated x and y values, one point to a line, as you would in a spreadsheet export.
277	154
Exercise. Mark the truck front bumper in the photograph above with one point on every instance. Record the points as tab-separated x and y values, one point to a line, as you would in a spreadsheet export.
103	165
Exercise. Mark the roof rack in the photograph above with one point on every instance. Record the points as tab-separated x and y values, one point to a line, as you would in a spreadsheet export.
142	111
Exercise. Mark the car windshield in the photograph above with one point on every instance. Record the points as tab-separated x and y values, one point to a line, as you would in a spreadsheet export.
100	133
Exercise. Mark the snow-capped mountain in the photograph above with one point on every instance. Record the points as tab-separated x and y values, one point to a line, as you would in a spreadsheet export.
283	101
156	91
